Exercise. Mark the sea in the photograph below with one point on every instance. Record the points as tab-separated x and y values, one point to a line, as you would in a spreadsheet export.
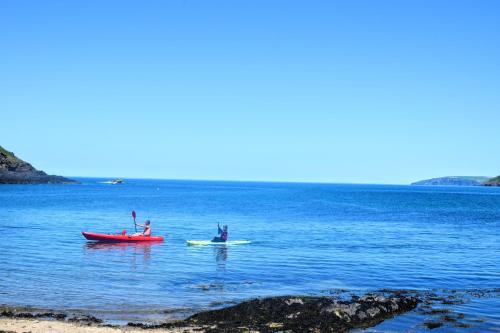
305	239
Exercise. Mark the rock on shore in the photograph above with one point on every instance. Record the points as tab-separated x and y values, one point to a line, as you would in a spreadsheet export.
298	314
13	170
305	314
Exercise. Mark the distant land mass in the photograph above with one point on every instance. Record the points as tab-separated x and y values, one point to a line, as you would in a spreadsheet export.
493	181
13	170
455	181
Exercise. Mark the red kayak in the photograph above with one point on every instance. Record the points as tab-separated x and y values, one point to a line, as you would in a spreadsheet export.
120	238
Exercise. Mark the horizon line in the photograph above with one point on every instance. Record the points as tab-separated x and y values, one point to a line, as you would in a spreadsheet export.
238	180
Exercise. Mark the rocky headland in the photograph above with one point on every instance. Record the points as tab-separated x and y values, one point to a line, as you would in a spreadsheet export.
493	181
13	170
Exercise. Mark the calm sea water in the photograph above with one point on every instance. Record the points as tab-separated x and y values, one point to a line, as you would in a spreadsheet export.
306	239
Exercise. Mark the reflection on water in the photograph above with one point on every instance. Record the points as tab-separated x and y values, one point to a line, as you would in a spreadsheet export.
221	256
134	250
107	246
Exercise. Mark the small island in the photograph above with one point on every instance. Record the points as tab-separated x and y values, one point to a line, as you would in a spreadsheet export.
13	170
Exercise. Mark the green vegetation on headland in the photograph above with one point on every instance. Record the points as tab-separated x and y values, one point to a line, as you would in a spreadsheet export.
460	181
495	181
13	170
7	153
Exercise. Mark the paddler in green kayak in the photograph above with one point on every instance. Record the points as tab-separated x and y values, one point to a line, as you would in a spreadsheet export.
222	234
147	229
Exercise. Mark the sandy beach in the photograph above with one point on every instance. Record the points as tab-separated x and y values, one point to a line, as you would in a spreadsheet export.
44	326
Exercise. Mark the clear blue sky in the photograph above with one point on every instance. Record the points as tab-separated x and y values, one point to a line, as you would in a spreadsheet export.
352	91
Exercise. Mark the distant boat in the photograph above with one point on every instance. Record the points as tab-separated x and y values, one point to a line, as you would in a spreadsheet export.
117	181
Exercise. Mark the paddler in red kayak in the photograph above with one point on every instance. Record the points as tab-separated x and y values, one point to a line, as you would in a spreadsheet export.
222	234
147	229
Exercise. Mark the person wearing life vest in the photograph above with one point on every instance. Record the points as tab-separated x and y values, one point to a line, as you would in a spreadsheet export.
223	234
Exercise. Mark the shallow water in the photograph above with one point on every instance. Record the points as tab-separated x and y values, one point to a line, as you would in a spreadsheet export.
306	239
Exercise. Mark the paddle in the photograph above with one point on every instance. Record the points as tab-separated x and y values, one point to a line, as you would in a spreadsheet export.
134	216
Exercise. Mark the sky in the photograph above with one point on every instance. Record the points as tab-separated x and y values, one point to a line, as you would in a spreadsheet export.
385	92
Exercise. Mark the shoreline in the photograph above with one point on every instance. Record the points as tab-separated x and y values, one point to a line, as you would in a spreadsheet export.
342	311
271	314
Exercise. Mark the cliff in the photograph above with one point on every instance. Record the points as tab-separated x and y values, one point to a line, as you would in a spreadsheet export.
13	170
